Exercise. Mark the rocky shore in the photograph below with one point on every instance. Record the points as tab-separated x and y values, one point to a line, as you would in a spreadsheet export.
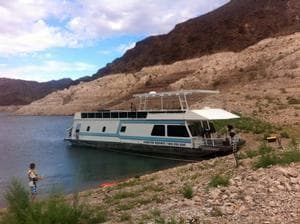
208	191
187	194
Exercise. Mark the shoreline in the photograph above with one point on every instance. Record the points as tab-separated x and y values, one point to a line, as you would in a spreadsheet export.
164	190
251	195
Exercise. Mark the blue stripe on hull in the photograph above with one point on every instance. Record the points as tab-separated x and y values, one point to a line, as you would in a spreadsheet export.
142	138
138	138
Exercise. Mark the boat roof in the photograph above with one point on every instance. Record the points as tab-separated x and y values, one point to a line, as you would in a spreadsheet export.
197	114
212	114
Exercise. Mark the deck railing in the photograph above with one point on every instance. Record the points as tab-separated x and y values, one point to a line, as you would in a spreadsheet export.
68	134
213	142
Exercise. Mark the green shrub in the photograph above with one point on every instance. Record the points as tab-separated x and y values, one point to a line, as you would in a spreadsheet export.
264	149
126	206
251	153
187	191
247	124
266	160
219	180
124	194
284	134
287	157
290	156
50	211
18	203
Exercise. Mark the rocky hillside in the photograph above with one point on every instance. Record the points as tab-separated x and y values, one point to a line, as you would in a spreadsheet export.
20	92
262	80
233	27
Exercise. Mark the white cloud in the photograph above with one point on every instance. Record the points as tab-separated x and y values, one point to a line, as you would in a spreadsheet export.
23	26
109	17
38	38
49	70
27	25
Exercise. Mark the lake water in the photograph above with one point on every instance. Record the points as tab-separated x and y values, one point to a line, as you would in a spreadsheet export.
39	139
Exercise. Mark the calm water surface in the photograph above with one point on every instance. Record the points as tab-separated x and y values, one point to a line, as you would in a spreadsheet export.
39	139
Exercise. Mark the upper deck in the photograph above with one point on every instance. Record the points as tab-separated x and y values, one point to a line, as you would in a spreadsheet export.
201	114
184	113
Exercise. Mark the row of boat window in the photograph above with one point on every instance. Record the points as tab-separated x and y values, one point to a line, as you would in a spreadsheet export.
114	115
159	130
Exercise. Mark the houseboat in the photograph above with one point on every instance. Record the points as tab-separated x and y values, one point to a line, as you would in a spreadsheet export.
184	132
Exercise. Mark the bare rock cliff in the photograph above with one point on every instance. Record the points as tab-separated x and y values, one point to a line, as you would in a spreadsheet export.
262	80
233	27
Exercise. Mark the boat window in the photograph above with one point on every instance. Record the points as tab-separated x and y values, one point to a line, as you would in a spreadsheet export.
84	115
196	129
123	129
98	115
114	115
132	114
141	114
177	131
88	128
103	129
158	130
106	115
123	114
91	115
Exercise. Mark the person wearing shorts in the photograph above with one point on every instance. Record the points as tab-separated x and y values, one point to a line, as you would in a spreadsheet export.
33	177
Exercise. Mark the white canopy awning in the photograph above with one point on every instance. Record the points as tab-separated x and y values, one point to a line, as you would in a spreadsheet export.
209	114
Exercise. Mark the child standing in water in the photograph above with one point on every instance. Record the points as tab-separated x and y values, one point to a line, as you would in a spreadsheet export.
33	177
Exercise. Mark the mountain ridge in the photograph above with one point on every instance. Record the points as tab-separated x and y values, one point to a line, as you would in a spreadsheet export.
232	27
22	92
262	81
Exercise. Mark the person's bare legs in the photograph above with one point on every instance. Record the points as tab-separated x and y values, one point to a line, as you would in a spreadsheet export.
33	193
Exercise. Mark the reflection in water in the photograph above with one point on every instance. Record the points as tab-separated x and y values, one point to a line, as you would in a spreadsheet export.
39	139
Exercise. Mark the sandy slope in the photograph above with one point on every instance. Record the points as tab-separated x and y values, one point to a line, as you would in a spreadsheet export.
262	80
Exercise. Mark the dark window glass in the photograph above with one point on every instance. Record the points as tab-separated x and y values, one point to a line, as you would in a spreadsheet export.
91	115
177	131
88	128
123	129
84	115
132	114
106	115
158	130
103	129
142	114
123	114
98	115
196	129
114	115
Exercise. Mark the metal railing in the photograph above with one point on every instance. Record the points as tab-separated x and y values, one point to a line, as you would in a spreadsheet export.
68	134
213	142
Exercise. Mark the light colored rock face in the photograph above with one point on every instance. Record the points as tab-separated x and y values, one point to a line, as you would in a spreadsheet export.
263	80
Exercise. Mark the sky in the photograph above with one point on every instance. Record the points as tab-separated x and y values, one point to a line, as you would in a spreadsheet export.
43	40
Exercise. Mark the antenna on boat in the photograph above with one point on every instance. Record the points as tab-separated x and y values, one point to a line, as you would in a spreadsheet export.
181	94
